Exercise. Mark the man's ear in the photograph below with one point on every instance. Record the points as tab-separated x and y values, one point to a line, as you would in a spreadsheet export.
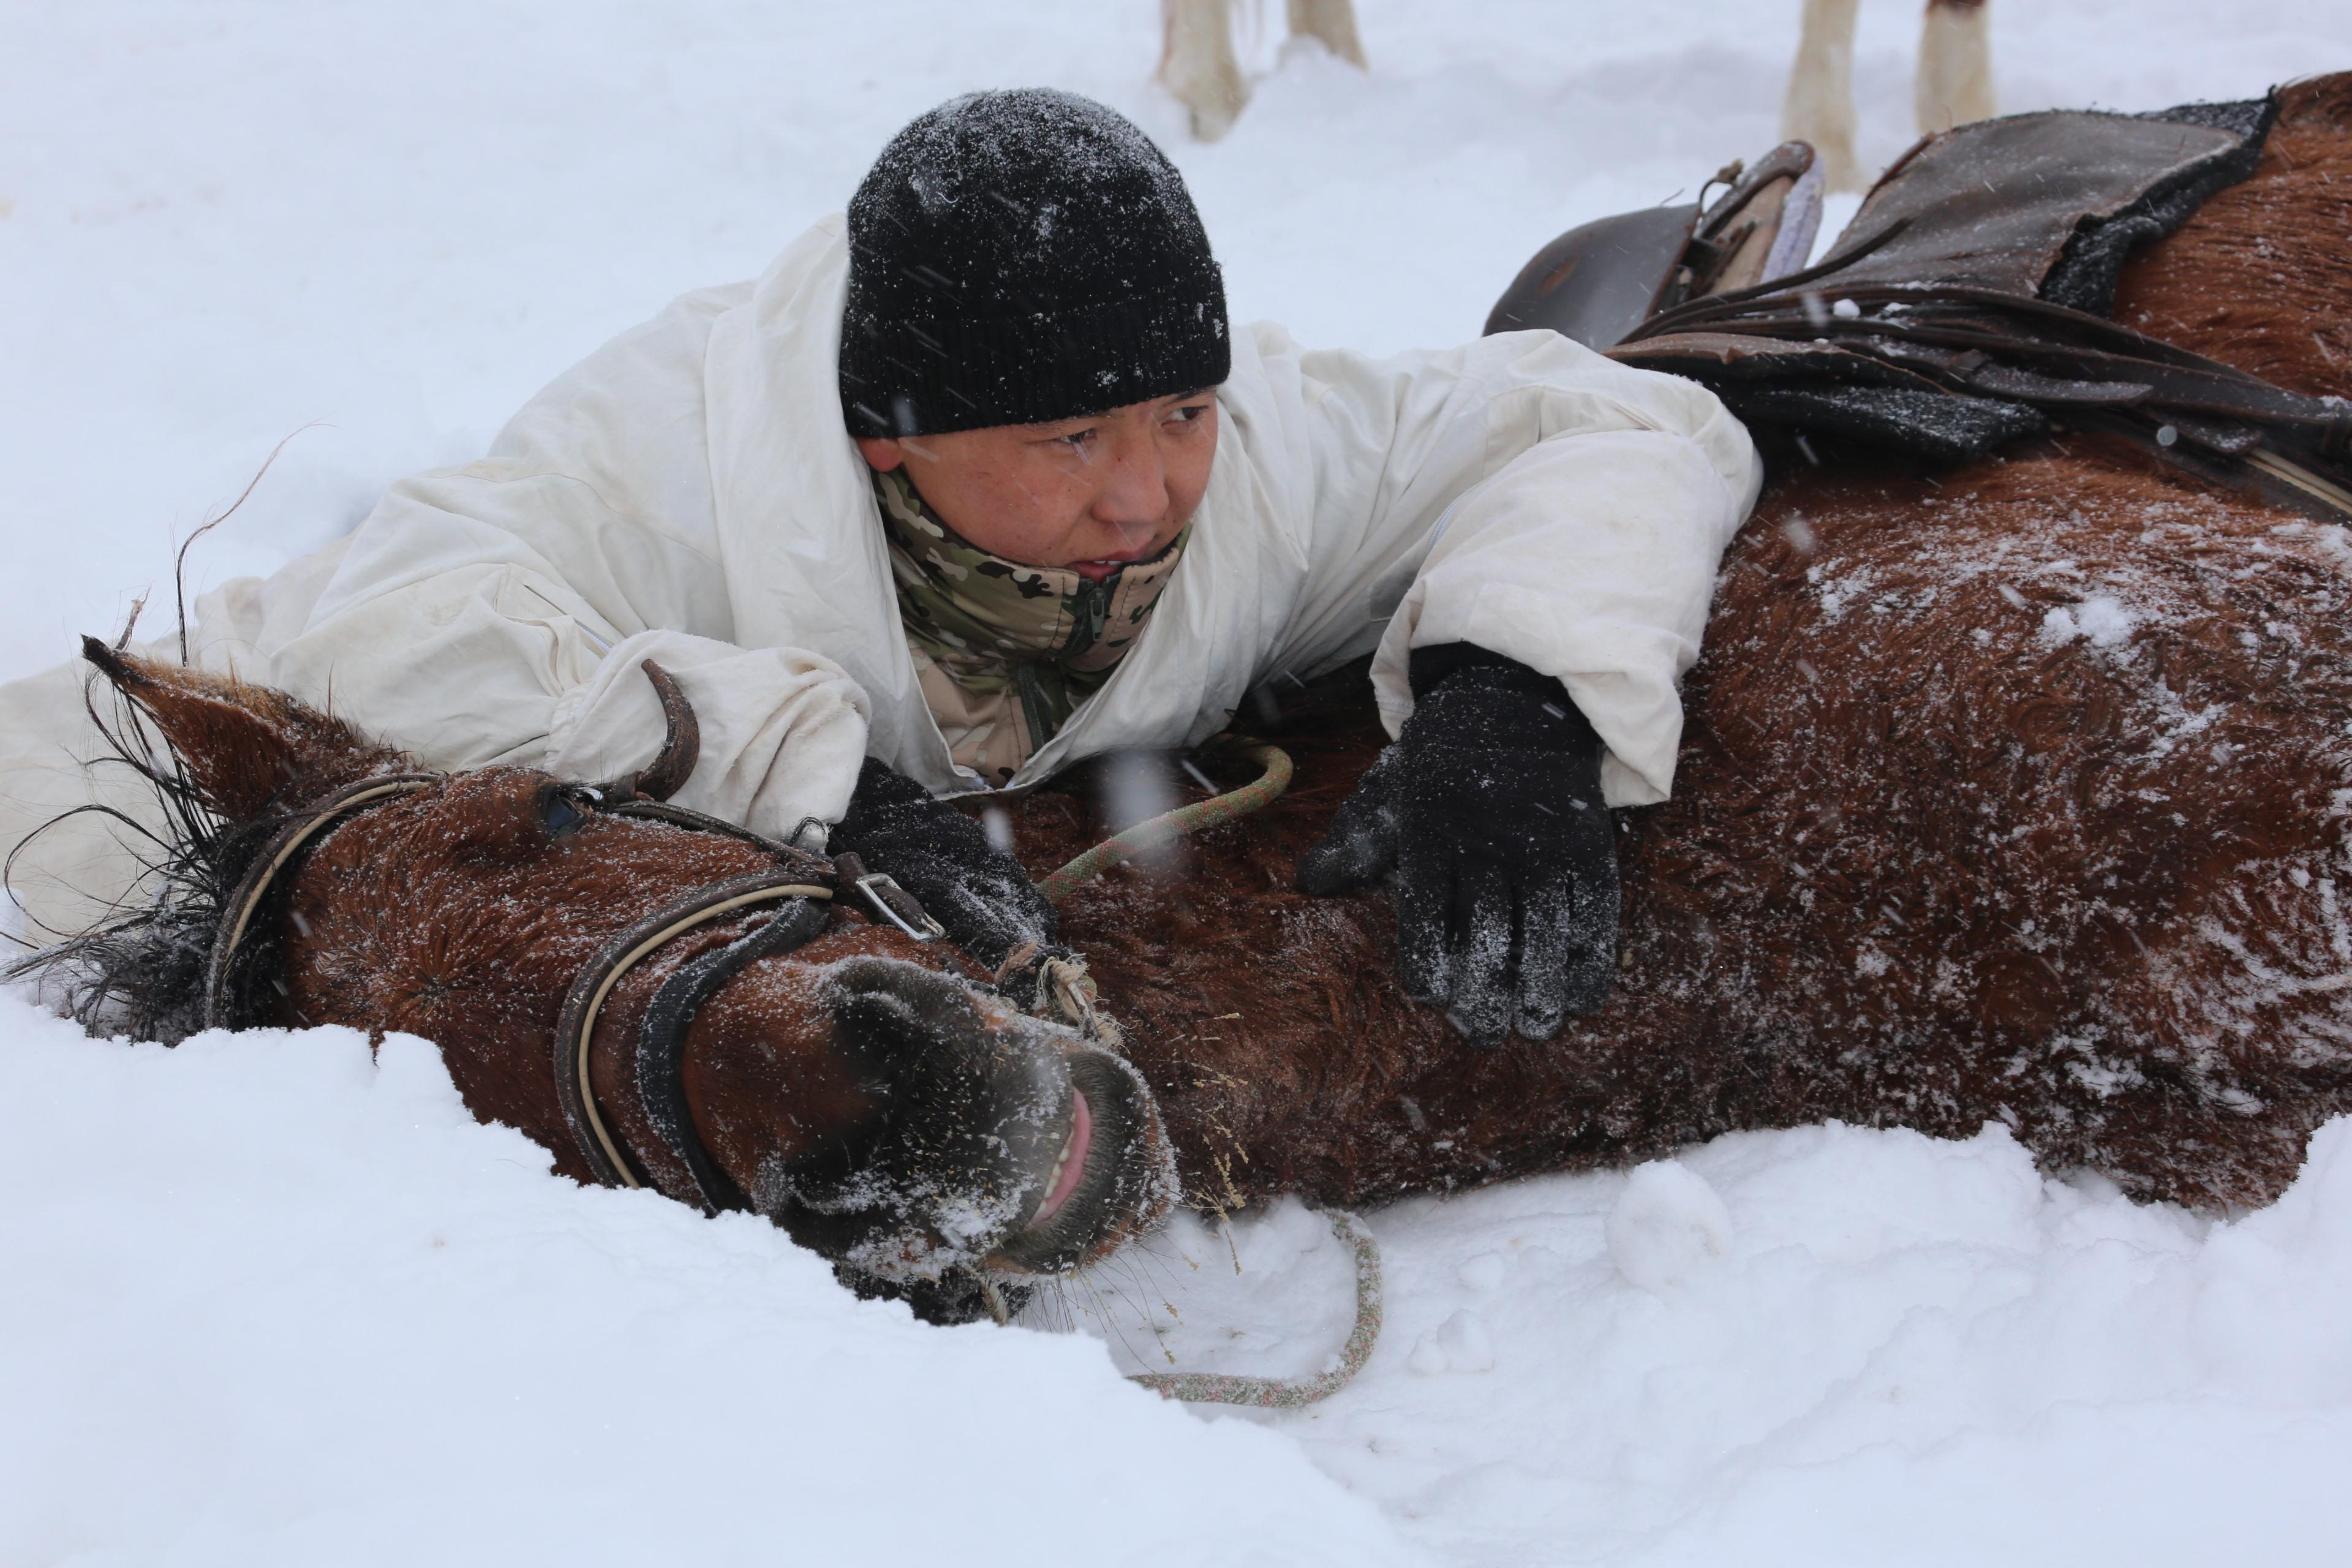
244	748
881	453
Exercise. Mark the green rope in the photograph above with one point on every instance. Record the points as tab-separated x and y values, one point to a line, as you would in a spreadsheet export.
1221	1388
1290	1393
1166	828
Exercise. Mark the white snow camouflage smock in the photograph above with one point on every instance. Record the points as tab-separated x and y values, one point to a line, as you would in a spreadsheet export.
689	493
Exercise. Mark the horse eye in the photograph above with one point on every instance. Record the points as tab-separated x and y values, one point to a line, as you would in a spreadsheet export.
560	813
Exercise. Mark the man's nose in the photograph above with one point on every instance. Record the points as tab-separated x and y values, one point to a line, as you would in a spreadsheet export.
1135	487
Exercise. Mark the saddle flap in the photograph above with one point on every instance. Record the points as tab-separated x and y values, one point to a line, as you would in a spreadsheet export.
1599	281
2047	204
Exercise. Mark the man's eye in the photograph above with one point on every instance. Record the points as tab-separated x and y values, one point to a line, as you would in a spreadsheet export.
1190	414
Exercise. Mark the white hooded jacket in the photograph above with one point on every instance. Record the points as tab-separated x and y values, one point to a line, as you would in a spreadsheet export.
689	493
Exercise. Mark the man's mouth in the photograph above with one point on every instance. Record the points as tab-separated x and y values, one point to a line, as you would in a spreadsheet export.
1102	566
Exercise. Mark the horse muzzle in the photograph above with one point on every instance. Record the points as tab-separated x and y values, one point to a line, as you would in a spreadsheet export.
999	1142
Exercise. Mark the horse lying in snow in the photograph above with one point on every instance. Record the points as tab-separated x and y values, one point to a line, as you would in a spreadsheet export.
2018	794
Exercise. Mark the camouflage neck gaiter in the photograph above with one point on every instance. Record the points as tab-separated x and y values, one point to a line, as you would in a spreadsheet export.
1005	653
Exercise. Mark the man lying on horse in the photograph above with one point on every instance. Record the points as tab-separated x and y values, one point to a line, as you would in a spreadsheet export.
1992	854
980	481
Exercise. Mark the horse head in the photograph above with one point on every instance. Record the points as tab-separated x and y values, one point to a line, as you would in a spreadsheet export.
873	1095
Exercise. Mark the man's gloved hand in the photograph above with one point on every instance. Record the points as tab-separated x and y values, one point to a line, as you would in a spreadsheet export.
1488	809
976	891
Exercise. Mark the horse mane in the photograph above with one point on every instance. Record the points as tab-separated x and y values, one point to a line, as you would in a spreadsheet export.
229	764
138	970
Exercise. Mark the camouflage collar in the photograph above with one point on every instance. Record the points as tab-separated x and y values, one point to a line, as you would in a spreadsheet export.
968	601
1007	652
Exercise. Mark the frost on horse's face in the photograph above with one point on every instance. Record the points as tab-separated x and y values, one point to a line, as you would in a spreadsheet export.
868	1093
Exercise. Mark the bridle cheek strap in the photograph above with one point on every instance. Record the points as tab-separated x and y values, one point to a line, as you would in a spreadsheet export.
661	1035
575	1027
661	1042
252	887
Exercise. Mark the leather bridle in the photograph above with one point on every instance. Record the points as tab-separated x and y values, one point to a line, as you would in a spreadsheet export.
796	895
661	1033
244	900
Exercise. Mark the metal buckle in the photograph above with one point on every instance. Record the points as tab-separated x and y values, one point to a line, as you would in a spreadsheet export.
873	885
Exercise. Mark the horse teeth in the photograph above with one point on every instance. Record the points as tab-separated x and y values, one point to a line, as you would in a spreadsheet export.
1053	1176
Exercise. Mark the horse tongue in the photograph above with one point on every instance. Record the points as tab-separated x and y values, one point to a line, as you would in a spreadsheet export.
1072	1166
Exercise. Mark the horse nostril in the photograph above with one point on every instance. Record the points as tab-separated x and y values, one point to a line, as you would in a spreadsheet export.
859	976
894	1014
896	983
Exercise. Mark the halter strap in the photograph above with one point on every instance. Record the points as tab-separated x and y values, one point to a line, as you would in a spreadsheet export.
575	1027
644	810
661	1043
282	847
661	1036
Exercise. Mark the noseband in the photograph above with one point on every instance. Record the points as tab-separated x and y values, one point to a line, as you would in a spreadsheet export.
661	1035
795	896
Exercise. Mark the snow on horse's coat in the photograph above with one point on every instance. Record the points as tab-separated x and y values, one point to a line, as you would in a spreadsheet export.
2015	794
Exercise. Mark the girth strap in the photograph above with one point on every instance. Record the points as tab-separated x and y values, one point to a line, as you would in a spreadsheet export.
661	1043
576	1025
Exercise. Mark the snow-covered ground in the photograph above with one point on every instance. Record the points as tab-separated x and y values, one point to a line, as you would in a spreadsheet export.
262	1301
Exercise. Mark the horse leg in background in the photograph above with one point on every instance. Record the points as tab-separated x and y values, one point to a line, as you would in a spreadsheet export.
1955	81
1819	107
1331	23
1197	63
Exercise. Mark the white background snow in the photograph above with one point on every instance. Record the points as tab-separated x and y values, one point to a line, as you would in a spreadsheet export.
263	1300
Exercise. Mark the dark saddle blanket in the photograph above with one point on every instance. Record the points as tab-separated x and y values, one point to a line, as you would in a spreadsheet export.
1965	305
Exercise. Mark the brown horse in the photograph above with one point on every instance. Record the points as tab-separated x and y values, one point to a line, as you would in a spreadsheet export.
2017	794
2014	793
867	1092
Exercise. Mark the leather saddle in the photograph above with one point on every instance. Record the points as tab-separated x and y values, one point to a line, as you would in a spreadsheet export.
1598	282
1965	305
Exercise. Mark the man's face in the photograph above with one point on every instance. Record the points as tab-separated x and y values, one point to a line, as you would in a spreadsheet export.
1090	494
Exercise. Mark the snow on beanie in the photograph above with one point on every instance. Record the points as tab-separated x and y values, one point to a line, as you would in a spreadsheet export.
1022	257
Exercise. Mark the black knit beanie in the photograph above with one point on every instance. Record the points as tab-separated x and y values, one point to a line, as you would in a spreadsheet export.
1016	258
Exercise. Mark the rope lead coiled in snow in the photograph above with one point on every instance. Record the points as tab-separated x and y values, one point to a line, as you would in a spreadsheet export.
1290	1394
1077	995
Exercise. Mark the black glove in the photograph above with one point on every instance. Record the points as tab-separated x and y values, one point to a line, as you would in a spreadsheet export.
1488	809
977	891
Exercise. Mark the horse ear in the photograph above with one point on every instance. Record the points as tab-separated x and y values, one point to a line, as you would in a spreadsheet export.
244	748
